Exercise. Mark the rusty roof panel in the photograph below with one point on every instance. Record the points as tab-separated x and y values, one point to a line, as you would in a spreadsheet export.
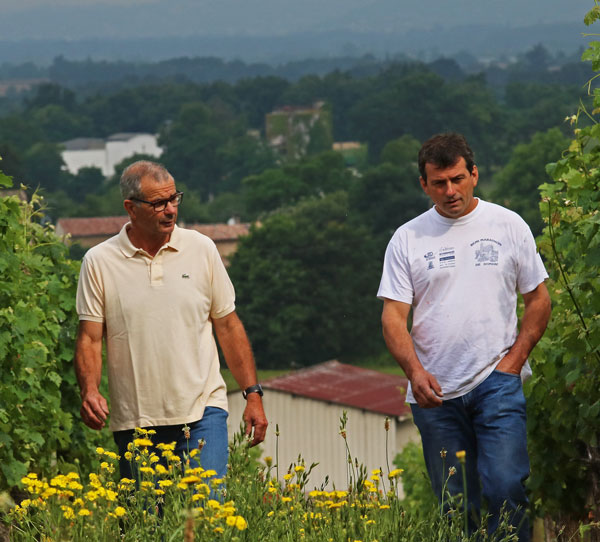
349	385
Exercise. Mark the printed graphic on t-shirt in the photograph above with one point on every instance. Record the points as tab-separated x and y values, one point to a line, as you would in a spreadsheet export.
429	258
447	257
486	251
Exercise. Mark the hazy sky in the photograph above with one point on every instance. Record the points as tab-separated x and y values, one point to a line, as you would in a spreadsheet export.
73	19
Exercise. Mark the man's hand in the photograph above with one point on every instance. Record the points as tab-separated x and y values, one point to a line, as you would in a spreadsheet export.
88	368
510	364
255	419
426	389
238	356
94	410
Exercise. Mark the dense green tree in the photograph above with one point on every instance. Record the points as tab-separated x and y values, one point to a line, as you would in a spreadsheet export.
44	166
401	151
305	285
386	197
276	188
58	124
516	185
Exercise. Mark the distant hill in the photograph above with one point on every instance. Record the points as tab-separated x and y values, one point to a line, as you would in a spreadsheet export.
277	31
480	41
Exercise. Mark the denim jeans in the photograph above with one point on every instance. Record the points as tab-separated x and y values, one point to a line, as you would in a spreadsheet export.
212	428
489	424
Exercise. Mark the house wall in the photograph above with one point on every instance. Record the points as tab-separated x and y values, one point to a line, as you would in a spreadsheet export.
117	151
75	160
311	428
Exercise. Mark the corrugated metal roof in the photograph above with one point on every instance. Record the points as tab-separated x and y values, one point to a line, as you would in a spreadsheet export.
349	385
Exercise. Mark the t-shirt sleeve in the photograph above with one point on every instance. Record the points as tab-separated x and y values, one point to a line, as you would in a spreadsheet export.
531	270
90	293
223	293
396	282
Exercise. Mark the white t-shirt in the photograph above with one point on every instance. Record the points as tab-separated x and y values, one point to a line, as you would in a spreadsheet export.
461	277
162	359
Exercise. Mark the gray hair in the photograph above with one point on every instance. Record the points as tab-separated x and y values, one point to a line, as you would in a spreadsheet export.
131	178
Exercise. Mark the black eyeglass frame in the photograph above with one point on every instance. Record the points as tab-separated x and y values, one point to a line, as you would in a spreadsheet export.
178	196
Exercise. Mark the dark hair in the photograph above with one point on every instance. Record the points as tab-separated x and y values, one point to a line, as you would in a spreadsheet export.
131	178
444	150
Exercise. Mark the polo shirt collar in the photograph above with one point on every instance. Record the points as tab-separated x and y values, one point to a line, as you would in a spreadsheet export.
129	250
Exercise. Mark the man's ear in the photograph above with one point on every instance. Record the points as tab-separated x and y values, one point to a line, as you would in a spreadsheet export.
129	207
423	184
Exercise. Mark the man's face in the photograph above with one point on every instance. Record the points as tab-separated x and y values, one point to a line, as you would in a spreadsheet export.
451	188
155	223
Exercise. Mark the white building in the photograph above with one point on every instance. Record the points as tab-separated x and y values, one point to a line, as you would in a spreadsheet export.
106	154
307	405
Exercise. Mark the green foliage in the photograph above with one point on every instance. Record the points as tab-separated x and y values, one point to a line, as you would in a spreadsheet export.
386	197
277	188
304	283
419	498
564	404
515	185
38	400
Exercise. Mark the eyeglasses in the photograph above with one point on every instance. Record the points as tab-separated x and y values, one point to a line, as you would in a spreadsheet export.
161	204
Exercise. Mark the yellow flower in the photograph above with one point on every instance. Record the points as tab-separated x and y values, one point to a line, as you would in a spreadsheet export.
120	511
384	507
67	512
128	456
230	521
461	455
268	461
270	513
146	470
99	450
240	523
165	483
287	476
286	499
84	512
299	468
395	473
218	530
142	442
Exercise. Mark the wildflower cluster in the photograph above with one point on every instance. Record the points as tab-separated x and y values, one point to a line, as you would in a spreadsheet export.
163	495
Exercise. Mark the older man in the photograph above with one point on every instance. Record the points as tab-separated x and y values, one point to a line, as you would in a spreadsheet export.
155	293
458	267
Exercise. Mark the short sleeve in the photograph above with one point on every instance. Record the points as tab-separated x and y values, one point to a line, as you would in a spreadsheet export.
531	270
90	293
223	293
396	282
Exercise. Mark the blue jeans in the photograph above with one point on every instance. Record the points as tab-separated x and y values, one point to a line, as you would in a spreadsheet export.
212	428
489	424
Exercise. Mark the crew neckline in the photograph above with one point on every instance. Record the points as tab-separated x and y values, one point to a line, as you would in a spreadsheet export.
461	219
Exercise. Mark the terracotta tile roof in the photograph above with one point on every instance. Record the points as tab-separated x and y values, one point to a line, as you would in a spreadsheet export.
111	225
221	232
91	226
343	384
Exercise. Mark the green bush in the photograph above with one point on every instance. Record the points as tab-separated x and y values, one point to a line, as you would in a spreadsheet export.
38	395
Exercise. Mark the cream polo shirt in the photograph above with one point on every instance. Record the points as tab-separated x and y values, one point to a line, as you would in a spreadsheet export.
163	365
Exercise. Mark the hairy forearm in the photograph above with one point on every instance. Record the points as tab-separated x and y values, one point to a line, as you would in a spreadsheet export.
400	344
236	350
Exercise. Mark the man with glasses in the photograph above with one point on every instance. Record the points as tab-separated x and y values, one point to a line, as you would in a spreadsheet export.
155	293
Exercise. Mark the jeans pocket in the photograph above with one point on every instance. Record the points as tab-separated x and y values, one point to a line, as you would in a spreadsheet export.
507	374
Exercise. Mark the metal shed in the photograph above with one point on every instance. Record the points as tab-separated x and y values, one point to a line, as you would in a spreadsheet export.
307	406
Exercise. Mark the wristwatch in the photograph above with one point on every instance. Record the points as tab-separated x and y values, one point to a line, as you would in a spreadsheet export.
252	389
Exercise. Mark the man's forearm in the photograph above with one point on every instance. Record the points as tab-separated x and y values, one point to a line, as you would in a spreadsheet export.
236	349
